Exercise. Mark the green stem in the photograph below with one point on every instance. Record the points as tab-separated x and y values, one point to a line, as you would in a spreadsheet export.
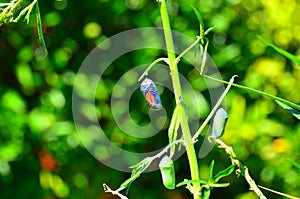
151	66
253	185
178	96
28	9
279	193
188	48
258	92
243	170
213	110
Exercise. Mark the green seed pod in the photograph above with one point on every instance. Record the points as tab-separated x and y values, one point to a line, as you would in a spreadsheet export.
219	123
166	167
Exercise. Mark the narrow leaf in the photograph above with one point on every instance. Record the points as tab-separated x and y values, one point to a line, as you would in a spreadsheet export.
279	50
198	48
30	7
142	165
129	180
209	30
219	184
138	169
289	109
190	182
258	92
173	129
40	28
297	165
4	4
211	170
203	62
173	125
200	20
224	173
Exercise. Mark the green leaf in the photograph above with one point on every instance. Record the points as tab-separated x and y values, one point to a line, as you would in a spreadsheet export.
211	170
289	109
200	20
137	170
173	129
297	165
209	30
197	49
30	7
224	173
279	50
190	182
40	28
142	165
204	55
129	180
258	92
219	184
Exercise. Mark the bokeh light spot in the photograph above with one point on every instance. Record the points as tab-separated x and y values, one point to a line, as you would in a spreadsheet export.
52	19
92	30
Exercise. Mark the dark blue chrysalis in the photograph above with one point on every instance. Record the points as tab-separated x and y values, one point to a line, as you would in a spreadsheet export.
151	94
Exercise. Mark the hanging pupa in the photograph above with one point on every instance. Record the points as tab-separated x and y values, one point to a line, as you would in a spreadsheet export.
219	123
151	94
167	171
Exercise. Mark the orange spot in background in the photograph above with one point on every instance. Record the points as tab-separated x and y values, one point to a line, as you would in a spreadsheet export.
281	145
47	161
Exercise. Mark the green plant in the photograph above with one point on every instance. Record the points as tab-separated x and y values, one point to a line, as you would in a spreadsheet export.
200	188
16	11
10	13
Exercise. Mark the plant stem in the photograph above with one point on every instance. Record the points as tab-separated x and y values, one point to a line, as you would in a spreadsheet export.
189	145
253	185
188	48
279	193
28	9
213	110
151	65
258	92
243	170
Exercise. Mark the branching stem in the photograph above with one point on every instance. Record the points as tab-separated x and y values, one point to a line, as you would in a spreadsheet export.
188	49
178	96
151	66
212	112
242	170
258	92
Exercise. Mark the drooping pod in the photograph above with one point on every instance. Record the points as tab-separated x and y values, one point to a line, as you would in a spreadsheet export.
167	171
151	94
219	123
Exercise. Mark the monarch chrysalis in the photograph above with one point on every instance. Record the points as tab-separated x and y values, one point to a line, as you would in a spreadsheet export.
219	123
166	167
151	94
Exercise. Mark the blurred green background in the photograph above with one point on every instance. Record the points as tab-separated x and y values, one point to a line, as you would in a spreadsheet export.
41	155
